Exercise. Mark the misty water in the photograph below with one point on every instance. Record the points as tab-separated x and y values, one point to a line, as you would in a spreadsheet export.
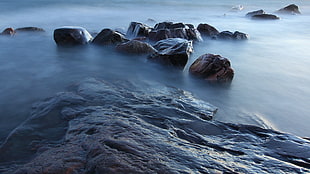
271	84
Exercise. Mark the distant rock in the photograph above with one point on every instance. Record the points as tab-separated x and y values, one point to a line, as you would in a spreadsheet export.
290	9
228	35
137	29
165	30
29	29
212	68
207	30
8	32
173	51
265	17
135	47
257	12
72	36
109	37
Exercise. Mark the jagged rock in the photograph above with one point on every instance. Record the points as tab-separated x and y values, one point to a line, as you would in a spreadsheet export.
290	9
207	30
166	30
137	29
29	29
257	12
227	35
212	68
72	36
265	17
172	51
109	37
8	31
122	127
135	47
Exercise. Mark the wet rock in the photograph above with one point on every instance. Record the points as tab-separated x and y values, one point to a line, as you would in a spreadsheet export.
207	30
72	36
290	9
228	35
212	68
135	47
173	52
109	37
257	12
265	17
124	127
29	29
166	30
137	29
8	31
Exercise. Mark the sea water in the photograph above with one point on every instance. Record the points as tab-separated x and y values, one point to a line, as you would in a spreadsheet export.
272	76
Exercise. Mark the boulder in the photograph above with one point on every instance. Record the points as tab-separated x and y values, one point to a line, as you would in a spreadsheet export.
135	47
212	68
29	29
72	36
257	12
265	17
172	51
207	30
165	30
8	31
228	35
290	9
137	29
109	37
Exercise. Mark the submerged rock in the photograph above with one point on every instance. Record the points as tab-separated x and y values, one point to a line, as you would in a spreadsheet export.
207	30
290	9
265	17
72	36
257	12
228	35
120	127
135	47
29	29
212	68
172	51
109	37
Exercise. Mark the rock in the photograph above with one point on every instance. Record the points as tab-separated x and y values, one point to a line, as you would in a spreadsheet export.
257	12
290	9
135	47
137	29
228	35
29	29
8	31
109	37
128	127
265	17
71	36
165	30
172	51
212	68
207	30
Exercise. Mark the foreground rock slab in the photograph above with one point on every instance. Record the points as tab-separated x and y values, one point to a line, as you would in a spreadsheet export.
212	68
72	36
122	127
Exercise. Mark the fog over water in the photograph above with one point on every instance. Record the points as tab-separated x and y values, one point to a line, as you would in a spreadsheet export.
272	75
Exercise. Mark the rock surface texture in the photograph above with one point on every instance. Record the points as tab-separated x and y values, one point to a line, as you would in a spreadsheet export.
102	127
135	47
72	36
109	37
212	68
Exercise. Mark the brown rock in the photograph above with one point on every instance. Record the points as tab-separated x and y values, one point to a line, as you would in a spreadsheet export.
109	37
135	47
8	31
207	30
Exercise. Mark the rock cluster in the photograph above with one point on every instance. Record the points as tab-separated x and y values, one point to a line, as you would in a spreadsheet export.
261	14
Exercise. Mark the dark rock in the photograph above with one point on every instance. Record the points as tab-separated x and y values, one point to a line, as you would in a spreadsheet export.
8	31
265	17
135	47
137	29
29	29
207	30
122	127
165	30
257	12
227	35
109	37
72	36
290	9
172	51
212	68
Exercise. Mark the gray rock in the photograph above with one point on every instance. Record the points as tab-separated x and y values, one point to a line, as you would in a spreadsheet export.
257	12
290	9
72	36
207	30
29	29
265	17
137	29
228	35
